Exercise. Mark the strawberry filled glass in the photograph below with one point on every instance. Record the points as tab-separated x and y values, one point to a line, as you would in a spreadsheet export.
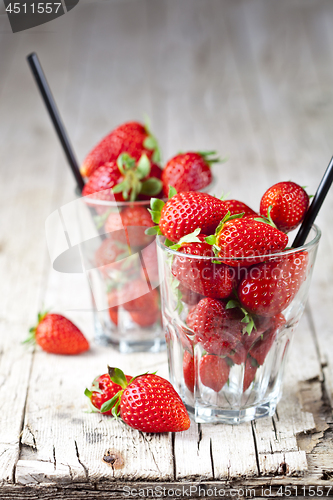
230	308
120	262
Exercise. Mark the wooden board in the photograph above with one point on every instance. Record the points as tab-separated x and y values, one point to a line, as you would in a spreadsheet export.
253	80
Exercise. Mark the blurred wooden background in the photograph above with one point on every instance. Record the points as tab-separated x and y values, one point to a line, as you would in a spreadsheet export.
252	79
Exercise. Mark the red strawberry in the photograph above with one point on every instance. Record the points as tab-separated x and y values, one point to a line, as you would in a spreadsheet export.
145	318
238	207
100	184
122	180
102	390
144	300
149	403
216	328
250	371
58	335
109	252
132	138
261	347
188	296
248	340
131	223
239	353
213	371
113	313
202	276
188	171
271	286
149	269
185	212
289	203
247	237
189	371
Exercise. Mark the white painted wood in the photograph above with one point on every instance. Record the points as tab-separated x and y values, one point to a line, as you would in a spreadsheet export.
251	79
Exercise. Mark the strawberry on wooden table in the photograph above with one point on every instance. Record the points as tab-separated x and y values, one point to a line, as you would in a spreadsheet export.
289	203
131	137
189	171
213	371
57	335
102	390
185	212
148	403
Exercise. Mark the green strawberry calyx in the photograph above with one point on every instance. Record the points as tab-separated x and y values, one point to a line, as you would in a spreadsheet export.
211	157
94	388
188	238
247	319
267	220
118	377
31	339
155	210
151	142
211	240
134	177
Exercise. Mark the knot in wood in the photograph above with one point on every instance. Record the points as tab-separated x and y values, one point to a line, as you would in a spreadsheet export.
114	459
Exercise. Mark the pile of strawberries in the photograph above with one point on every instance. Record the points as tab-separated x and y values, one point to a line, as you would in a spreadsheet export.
226	274
124	167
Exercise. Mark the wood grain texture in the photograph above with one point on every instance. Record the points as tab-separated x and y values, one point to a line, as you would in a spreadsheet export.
249	78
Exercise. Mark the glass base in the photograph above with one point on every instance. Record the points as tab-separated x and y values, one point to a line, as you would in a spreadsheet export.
111	337
209	415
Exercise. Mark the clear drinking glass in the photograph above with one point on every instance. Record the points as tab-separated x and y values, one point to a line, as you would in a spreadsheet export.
225	368
120	262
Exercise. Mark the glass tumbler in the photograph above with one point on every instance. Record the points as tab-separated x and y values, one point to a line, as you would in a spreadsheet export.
228	327
120	262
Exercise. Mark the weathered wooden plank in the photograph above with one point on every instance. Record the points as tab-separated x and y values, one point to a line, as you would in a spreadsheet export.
246	76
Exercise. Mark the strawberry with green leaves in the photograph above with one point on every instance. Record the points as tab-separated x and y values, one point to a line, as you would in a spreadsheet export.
183	213
147	403
103	389
132	138
271	286
122	179
189	171
57	335
205	277
246	239
289	203
213	371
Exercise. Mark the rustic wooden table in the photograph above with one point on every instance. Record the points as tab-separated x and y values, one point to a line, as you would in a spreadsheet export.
250	78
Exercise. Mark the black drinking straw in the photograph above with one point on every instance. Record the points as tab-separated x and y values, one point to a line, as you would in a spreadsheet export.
315	206
50	104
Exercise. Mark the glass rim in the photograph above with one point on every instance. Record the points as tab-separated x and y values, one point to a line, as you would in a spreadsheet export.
314	241
114	203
